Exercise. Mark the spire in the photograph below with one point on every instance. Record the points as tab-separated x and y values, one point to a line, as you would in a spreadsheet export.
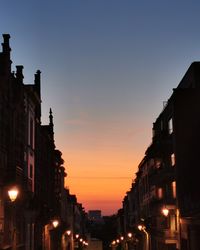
51	124
50	118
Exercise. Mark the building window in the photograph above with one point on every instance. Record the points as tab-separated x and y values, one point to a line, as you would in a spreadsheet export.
31	132
173	161
170	126
161	125
174	189
160	193
31	171
158	163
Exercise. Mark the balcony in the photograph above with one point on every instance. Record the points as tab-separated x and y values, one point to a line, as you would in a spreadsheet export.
161	175
19	174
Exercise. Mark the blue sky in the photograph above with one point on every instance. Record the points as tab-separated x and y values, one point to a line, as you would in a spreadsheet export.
107	66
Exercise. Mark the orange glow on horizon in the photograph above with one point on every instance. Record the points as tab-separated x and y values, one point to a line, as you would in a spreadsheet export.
101	162
102	186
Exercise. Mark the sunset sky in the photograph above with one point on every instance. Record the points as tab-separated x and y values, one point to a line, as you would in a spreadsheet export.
107	67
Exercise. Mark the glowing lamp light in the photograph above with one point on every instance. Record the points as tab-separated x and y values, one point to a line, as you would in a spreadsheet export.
117	240
165	211
129	235
113	242
77	236
68	232
140	227
12	193
121	238
81	240
55	223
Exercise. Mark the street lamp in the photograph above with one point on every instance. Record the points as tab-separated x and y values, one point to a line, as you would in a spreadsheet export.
171	212
55	223
77	236
68	232
130	235
143	228
13	193
165	211
140	227
113	244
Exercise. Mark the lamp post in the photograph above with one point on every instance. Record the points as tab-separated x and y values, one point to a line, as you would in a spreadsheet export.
113	244
142	228
13	193
128	241
70	239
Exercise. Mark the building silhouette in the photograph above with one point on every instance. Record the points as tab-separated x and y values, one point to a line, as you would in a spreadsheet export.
95	215
44	215
167	177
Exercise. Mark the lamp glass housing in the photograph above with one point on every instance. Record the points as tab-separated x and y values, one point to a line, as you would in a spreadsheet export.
13	193
55	223
165	211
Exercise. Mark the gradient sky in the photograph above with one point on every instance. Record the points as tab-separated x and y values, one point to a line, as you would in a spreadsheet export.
107	67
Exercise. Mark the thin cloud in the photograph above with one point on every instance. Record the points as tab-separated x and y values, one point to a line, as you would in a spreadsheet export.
99	177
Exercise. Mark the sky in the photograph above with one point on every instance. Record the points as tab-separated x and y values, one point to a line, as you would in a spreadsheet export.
107	67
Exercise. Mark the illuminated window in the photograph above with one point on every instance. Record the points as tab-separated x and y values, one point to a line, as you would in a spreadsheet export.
170	126
173	162
160	193
174	189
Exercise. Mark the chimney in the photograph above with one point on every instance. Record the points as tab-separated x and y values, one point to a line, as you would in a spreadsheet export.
19	73
6	62
5	45
37	81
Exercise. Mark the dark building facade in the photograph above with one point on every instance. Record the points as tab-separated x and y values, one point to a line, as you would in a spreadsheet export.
38	217
164	198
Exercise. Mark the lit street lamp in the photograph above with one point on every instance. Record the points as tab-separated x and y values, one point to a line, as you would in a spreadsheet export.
143	228
68	232
165	211
13	193
130	235
55	223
